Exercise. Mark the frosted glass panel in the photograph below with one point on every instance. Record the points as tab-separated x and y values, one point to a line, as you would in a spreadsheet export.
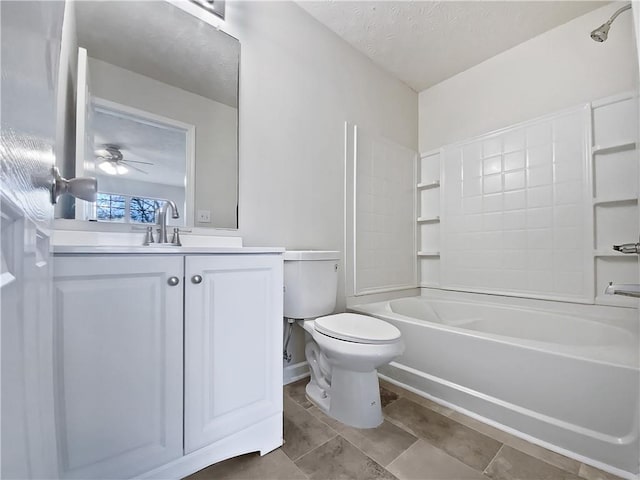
516	211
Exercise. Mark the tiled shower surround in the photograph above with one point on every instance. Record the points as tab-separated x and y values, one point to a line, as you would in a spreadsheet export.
516	210
534	209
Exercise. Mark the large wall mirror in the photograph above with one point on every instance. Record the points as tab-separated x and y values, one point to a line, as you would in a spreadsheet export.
156	113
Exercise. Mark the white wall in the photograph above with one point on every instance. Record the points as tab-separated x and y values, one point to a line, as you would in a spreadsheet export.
299	83
216	139
556	70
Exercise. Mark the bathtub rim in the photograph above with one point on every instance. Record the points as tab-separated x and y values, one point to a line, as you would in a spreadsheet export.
383	311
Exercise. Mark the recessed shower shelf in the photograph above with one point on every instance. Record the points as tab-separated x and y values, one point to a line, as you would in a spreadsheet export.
623	199
615	147
426	186
434	219
428	254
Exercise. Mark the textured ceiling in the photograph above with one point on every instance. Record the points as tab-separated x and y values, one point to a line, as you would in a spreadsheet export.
425	42
158	40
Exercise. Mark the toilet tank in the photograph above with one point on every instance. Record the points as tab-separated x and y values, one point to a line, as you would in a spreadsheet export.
310	283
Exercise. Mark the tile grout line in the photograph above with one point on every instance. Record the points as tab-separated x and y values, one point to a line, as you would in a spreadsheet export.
493	459
366	455
315	448
402	453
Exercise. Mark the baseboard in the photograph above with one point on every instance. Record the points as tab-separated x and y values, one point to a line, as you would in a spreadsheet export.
295	372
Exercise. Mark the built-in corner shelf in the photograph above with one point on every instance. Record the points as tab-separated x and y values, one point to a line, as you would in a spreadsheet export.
614	147
434	219
426	186
428	254
614	199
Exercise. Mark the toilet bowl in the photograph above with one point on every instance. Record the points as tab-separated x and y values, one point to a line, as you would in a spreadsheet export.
343	363
345	349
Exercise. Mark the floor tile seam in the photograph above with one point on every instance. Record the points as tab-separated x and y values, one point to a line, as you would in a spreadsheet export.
333	429
484	472
366	454
296	402
401	425
297	459
449	411
515	446
402	453
545	461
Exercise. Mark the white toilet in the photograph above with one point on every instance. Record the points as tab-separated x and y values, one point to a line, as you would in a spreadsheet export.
346	348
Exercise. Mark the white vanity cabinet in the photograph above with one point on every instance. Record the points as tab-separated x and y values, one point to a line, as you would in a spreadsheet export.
122	372
233	357
118	364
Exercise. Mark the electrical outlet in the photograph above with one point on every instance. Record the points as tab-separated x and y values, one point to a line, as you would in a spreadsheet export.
204	216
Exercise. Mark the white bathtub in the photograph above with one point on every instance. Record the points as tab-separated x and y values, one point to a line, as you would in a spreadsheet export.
568	382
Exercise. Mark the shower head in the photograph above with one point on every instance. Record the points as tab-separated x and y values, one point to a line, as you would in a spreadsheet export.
601	33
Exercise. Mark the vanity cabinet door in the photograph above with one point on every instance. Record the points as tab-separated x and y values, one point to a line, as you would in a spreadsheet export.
118	363
233	344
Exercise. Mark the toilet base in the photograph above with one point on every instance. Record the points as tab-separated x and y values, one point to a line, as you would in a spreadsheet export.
354	398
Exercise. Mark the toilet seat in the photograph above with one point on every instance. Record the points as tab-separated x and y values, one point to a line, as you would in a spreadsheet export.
353	327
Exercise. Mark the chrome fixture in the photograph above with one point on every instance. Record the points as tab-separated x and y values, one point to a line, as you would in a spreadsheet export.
628	248
161	219
148	238
84	188
175	239
173	281
601	33
625	289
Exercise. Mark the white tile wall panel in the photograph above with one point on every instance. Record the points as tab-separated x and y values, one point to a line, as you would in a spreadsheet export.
616	173
516	210
615	223
615	122
385	214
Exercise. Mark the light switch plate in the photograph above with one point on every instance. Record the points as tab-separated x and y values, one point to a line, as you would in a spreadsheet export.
204	216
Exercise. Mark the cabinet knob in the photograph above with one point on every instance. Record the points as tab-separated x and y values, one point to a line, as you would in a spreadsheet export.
173	281
196	279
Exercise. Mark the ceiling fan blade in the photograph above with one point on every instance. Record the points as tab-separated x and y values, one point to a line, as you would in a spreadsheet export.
136	161
136	168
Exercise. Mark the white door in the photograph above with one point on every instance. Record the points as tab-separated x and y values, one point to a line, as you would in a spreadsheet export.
233	344
31	35
118	363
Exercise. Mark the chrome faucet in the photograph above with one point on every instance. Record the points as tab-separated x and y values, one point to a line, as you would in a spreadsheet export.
625	289
161	219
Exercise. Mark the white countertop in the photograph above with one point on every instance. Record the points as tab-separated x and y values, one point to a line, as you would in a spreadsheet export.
156	250
70	242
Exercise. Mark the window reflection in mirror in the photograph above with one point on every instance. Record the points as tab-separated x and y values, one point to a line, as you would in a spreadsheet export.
156	111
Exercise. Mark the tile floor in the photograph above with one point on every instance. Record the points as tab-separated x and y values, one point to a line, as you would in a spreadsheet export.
419	439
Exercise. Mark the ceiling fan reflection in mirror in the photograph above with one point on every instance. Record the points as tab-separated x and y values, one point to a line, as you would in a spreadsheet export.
112	161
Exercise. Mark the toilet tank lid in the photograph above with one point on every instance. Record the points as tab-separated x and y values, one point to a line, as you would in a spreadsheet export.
290	255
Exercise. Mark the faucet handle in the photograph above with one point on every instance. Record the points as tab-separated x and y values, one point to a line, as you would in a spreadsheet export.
175	240
148	237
